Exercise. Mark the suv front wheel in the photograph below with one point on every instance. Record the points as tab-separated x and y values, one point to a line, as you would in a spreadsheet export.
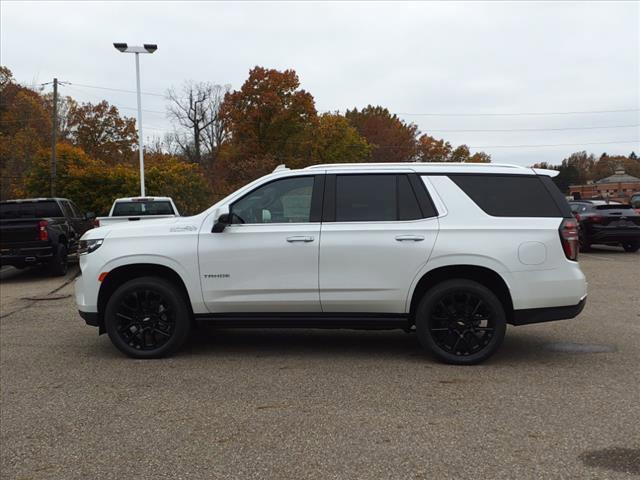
147	317
460	322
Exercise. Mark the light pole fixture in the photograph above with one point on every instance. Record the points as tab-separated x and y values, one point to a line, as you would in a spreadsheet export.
145	48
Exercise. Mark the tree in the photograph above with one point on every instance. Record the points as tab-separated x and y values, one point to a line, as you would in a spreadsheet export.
479	157
583	163
433	150
65	106
392	139
270	116
25	128
196	108
335	140
101	132
94	184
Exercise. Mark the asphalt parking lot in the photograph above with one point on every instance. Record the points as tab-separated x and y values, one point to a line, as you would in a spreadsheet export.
560	400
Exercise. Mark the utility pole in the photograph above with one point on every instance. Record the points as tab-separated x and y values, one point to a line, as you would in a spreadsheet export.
140	138
146	48
54	137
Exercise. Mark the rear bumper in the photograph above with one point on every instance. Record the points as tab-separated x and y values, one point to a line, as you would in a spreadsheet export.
540	315
614	235
25	256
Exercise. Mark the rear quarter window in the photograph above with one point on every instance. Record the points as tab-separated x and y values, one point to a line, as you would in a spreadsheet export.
513	195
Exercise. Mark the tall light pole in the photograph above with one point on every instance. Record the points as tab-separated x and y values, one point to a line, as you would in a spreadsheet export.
146	48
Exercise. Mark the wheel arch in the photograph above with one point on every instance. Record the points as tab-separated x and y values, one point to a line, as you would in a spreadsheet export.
124	273
483	275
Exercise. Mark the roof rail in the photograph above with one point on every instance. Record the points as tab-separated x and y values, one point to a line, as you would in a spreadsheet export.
408	164
280	167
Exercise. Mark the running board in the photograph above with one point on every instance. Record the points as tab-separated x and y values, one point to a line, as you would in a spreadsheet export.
352	321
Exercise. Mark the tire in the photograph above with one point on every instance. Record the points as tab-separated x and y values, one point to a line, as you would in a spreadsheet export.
460	322
147	317
58	265
631	246
585	246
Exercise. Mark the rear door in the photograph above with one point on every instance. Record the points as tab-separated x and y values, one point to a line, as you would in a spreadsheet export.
378	230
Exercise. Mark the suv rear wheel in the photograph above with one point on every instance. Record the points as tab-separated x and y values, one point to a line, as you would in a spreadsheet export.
147	317
631	246
460	322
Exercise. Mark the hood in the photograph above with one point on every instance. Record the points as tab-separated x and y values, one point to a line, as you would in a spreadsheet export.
146	228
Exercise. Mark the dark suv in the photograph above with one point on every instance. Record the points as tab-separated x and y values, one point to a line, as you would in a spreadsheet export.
607	223
41	231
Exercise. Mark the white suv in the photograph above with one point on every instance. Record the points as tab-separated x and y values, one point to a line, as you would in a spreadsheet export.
452	251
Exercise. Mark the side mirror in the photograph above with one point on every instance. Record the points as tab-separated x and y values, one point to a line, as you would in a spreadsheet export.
89	216
221	223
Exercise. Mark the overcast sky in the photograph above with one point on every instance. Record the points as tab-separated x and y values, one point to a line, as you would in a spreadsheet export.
420	60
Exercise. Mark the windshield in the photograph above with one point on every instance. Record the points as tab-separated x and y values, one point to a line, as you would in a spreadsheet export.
138	208
45	208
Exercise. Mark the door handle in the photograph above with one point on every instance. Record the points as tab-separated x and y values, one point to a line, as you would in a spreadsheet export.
300	238
409	238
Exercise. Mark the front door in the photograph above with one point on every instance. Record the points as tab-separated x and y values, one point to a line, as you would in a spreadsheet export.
267	259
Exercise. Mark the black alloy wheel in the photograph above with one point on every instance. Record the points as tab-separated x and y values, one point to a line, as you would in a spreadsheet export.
147	318
460	322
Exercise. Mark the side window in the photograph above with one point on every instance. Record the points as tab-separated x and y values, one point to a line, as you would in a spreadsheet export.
511	195
365	198
376	198
66	209
408	208
74	210
282	201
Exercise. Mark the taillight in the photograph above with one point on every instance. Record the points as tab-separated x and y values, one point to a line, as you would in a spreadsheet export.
569	238
577	215
96	223
43	234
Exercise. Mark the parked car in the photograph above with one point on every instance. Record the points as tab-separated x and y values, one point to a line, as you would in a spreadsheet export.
138	208
452	251
607	224
635	201
41	231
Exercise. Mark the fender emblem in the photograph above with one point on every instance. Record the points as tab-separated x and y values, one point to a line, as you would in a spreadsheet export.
184	228
217	275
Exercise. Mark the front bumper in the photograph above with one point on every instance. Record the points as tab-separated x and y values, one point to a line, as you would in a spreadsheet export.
90	318
549	314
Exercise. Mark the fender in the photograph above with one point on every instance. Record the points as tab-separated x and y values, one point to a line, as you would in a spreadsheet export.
191	282
458	259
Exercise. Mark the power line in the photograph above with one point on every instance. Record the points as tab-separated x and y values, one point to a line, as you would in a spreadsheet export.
518	113
556	144
117	89
533	129
435	114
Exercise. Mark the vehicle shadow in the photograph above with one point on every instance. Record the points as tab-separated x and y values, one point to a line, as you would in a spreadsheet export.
518	347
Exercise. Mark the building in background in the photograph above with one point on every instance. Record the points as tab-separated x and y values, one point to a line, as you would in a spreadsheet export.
618	187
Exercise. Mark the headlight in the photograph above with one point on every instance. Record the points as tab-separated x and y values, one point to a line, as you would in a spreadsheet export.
88	246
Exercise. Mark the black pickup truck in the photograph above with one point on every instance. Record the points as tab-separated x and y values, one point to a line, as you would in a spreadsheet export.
41	231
